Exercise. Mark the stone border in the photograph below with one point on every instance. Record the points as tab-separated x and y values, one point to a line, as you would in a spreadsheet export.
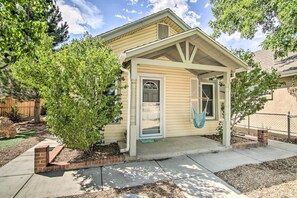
44	157
262	141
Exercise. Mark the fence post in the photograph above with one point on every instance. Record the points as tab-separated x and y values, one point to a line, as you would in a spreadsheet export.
289	126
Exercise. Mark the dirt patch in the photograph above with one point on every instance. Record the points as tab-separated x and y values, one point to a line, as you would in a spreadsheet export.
156	190
234	139
257	176
8	154
287	189
100	152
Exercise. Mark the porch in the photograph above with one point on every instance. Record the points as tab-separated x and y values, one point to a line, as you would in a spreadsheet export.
169	75
176	146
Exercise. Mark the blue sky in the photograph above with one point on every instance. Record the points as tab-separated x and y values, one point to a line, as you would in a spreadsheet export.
98	16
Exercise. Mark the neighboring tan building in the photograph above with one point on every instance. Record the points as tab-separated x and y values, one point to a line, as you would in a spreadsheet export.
166	66
280	101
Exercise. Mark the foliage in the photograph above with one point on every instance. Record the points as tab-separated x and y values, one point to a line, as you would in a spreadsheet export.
219	130
293	89
249	89
10	87
19	33
14	114
77	84
56	29
49	18
276	18
23	24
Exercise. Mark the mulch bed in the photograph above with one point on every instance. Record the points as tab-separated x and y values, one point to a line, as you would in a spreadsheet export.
156	190
234	139
8	154
257	176
100	152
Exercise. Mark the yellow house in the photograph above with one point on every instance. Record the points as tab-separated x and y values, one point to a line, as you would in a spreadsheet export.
167	66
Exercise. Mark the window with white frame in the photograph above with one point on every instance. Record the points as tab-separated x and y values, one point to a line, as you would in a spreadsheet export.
208	91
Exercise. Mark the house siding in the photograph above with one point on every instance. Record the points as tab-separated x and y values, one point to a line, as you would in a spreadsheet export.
137	38
177	102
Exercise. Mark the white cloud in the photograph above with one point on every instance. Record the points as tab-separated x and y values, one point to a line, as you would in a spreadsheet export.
206	5
234	41
133	1
81	16
193	1
132	11
179	7
123	17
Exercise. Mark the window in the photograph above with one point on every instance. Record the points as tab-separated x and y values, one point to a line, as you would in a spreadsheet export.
208	90
163	31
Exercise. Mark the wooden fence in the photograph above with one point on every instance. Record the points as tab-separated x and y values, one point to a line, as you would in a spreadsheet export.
25	108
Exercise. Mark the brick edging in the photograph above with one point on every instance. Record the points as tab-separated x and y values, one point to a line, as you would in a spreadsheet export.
42	163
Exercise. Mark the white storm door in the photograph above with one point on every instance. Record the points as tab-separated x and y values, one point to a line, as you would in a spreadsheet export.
151	108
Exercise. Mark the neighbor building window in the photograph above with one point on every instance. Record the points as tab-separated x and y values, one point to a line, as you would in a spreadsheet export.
163	31
208	91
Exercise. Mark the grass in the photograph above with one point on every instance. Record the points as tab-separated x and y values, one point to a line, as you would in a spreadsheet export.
10	142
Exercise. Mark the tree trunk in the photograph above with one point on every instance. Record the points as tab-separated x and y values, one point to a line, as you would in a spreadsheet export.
37	110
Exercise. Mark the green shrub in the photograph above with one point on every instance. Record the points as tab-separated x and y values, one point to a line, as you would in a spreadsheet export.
14	115
76	83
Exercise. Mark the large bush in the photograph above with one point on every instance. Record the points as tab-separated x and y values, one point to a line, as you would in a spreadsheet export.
78	84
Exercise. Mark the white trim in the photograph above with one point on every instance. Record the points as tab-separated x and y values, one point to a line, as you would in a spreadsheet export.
172	64
196	99
149	76
161	44
213	100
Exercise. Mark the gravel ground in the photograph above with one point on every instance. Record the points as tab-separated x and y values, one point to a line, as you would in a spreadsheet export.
234	139
8	154
100	151
288	189
252	177
156	190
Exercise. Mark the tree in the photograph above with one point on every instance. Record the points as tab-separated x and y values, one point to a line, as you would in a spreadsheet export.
276	18
77	83
55	28
249	89
19	33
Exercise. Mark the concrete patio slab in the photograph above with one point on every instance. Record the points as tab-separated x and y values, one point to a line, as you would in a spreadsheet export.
206	186
223	160
268	153
62	183
132	174
181	167
9	186
176	146
22	165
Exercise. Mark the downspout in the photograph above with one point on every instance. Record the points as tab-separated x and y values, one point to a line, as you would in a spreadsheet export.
122	58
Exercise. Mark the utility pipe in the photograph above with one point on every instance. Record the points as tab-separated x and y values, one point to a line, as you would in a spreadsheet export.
122	58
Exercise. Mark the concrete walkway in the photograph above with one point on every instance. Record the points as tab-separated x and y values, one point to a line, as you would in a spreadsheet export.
192	173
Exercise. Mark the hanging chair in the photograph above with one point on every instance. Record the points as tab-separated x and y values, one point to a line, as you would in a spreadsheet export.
199	119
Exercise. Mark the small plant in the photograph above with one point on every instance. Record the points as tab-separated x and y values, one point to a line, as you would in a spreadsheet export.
219	130
14	115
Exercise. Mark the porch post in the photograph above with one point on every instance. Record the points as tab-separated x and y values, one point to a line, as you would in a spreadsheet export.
133	128
227	110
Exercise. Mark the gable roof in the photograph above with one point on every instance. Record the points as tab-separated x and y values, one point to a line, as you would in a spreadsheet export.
138	51
286	66
144	21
